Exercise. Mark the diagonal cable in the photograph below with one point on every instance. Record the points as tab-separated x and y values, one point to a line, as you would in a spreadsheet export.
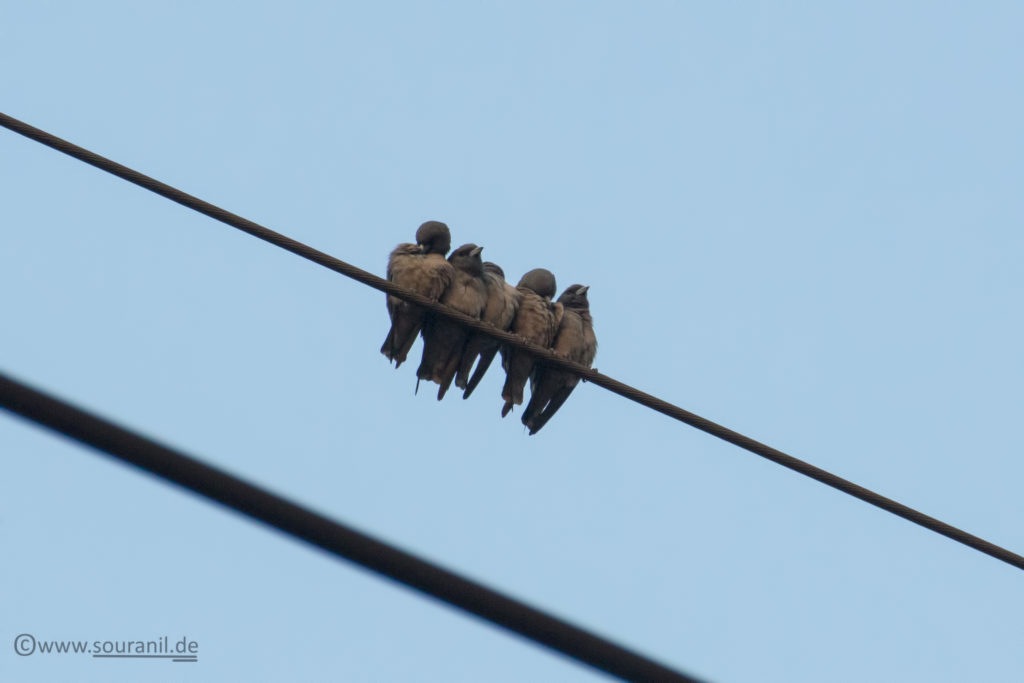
546	355
334	537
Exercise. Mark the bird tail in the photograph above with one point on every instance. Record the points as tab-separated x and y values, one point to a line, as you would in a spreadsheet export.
519	366
537	422
406	322
512	393
447	375
538	399
388	347
486	357
396	348
473	348
431	351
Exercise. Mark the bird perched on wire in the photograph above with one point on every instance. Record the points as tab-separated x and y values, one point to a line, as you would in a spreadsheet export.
575	341
537	322
420	267
502	303
445	340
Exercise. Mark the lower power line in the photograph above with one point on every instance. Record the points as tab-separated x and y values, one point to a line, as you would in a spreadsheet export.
334	537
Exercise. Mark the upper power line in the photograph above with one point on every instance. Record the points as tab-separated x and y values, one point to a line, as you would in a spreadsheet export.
545	355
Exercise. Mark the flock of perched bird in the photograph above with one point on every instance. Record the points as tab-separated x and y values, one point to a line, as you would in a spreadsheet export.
477	288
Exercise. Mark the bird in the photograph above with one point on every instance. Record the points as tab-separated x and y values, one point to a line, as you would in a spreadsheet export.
444	340
422	268
536	322
575	341
502	303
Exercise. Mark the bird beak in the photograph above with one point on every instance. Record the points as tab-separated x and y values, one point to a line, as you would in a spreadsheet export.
423	249
583	290
476	252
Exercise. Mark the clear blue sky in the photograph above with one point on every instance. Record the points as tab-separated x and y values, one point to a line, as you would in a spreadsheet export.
801	220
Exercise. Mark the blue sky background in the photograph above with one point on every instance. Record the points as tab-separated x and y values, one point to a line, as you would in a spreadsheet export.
801	220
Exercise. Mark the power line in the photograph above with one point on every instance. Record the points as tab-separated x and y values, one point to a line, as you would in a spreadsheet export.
545	355
338	539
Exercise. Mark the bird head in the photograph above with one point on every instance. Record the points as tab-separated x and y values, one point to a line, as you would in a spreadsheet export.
575	296
541	281
433	237
467	257
494	269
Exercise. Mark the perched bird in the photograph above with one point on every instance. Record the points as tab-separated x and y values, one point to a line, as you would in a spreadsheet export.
537	322
575	341
444	340
502	303
420	267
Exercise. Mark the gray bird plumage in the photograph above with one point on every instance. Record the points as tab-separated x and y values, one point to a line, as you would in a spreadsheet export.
575	341
444	340
536	321
422	268
502	303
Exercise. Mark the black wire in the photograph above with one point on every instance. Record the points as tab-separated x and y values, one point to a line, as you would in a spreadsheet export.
545	355
336	538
